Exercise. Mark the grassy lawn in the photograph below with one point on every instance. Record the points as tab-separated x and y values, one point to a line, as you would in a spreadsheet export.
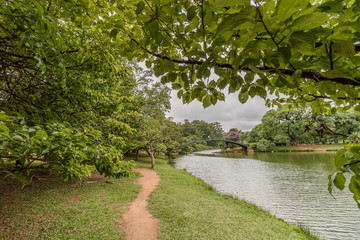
190	209
52	209
185	205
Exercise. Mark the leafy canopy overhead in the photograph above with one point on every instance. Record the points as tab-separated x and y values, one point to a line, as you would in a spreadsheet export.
304	50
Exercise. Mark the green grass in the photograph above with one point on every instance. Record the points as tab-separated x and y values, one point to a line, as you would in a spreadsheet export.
52	209
190	209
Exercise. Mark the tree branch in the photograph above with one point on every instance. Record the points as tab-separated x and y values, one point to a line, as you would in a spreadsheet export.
288	72
352	163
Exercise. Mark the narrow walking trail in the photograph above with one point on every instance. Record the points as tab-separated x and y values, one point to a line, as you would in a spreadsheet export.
139	224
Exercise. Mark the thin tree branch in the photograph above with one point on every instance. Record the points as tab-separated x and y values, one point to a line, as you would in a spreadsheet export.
289	72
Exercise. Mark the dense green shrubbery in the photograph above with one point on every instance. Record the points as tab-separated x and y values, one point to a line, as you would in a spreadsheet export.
73	152
264	145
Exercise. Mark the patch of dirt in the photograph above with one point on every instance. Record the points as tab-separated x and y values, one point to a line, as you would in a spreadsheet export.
73	199
95	177
312	147
139	224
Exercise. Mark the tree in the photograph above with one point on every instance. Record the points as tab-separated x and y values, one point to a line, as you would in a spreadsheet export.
65	93
155	133
300	51
306	50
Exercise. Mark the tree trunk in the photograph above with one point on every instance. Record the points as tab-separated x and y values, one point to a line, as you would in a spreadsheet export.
137	154
151	155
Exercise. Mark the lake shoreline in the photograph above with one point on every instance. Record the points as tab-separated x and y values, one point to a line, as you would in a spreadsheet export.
296	148
188	208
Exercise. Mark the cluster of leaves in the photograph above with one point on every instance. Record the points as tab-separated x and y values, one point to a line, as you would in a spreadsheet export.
264	145
199	128
69	151
61	71
306	50
155	133
286	126
347	160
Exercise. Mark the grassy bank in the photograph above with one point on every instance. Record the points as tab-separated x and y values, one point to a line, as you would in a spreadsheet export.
52	209
298	148
190	209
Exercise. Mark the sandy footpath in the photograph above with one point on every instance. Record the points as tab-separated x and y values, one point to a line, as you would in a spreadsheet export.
139	224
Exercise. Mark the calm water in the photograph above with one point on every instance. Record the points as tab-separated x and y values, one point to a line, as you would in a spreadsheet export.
292	186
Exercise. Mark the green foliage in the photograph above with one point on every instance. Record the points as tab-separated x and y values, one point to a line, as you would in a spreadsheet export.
62	72
347	160
265	145
296	50
301	126
69	151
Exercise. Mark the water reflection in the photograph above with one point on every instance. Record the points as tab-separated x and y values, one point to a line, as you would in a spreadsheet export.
292	186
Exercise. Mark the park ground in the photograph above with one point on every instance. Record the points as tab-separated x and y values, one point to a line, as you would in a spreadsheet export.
299	148
186	207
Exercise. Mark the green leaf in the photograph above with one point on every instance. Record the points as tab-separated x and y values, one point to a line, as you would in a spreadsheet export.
176	85
285	53
357	108
303	42
139	8
191	13
309	21
234	83
249	77
39	7
229	3
4	129
172	76
354	187
330	183
336	74
206	101
252	92
339	181
114	32
18	138
180	93
222	83
286	8
340	160
243	97
233	22
344	48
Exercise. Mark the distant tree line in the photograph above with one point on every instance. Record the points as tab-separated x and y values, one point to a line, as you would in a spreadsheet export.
286	126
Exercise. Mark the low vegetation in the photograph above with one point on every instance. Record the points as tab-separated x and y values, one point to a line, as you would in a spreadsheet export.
48	208
190	209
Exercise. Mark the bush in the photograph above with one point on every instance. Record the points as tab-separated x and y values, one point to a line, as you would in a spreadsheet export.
265	145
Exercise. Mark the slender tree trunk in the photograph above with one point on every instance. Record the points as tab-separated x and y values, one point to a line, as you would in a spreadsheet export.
151	155
137	154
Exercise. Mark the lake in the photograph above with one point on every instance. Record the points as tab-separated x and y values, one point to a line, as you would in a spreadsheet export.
292	186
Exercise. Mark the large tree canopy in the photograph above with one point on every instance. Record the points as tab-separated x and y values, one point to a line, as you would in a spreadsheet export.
299	51
61	67
305	50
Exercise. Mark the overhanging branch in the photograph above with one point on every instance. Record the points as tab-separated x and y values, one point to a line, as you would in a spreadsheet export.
289	72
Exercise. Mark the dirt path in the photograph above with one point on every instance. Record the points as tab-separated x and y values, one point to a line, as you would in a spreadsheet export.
139	224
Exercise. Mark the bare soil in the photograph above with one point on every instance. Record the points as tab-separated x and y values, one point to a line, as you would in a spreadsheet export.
139	224
313	147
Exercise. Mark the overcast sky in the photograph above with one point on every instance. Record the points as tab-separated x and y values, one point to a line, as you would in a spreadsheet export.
231	113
